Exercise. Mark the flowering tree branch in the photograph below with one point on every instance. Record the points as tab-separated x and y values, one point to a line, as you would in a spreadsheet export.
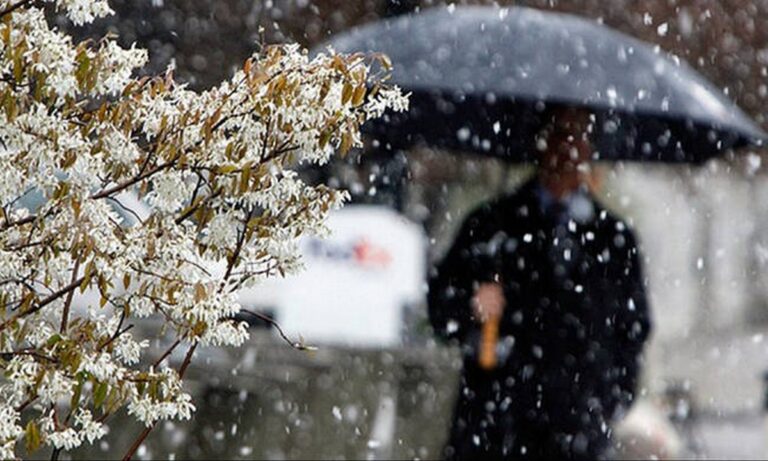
145	432
152	201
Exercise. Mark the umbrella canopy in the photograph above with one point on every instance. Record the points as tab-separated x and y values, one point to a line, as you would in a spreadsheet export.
481	76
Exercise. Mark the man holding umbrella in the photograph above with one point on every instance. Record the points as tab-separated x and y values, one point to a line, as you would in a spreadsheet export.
558	280
547	270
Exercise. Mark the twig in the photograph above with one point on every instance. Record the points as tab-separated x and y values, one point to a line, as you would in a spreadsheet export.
187	359
294	344
24	246
194	208
236	254
53	297
137	443
128	183
133	213
117	334
20	222
166	353
14	7
30	353
68	302
25	404
192	263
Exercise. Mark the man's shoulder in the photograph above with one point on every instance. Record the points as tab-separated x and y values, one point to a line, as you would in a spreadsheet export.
611	225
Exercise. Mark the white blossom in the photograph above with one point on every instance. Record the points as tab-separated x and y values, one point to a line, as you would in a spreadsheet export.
90	430
102	367
85	11
172	402
128	351
121	63
66	439
226	333
55	386
9	429
168	192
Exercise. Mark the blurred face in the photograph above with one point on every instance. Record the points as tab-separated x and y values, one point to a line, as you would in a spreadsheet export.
568	143
565	160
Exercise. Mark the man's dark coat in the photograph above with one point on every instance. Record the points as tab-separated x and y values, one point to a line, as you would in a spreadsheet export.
573	329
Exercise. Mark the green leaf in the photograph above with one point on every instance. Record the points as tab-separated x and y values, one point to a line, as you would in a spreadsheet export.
113	399
53	340
99	394
89	268
32	437
346	143
141	387
154	390
78	392
84	64
224	169
18	68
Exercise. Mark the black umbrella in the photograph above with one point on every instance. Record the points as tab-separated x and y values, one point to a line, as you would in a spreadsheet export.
481	76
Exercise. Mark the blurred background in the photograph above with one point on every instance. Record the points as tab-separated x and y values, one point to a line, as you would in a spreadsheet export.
379	387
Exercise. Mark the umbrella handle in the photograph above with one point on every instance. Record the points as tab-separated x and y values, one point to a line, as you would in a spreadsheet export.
488	340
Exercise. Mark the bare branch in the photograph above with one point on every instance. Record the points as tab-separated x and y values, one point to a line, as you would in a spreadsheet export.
133	213
167	353
236	254
187	359
294	344
30	353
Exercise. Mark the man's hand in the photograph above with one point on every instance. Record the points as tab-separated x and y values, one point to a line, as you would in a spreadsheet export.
488	301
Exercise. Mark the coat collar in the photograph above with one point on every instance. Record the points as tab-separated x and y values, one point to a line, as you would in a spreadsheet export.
532	203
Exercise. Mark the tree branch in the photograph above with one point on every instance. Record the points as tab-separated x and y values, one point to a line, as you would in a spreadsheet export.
236	254
194	208
187	359
294	344
25	404
117	334
8	224
68	302
166	353
53	297
128	183
137	443
140	439
15	7
30	353
128	210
